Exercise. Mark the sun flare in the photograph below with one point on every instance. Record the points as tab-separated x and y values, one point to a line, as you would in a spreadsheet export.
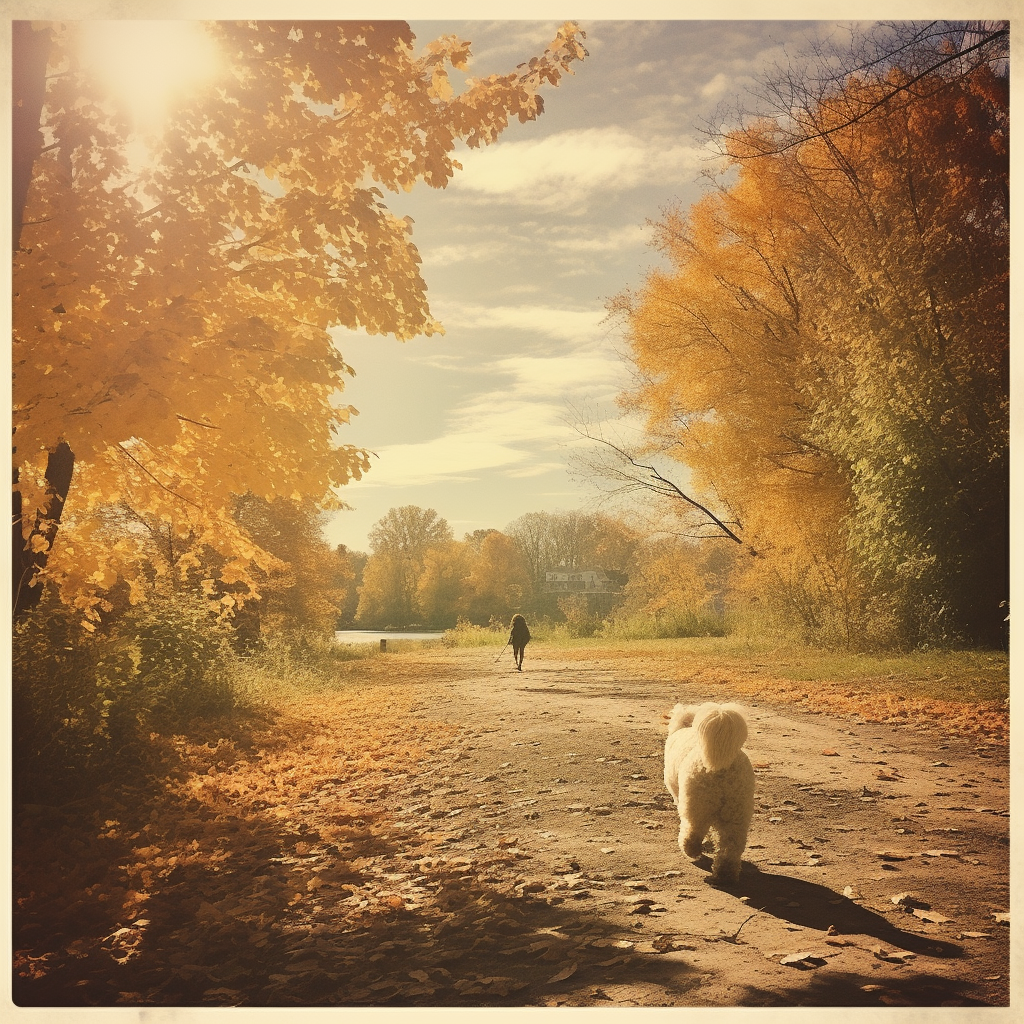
147	65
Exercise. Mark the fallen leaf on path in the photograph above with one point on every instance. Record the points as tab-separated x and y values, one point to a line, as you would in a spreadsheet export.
892	956
931	916
829	752
669	944
499	986
566	972
907	900
803	960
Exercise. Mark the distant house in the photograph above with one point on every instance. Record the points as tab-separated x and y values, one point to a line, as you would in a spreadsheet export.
583	581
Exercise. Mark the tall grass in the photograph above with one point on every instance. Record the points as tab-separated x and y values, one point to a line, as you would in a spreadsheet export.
672	624
466	634
85	704
293	662
88	707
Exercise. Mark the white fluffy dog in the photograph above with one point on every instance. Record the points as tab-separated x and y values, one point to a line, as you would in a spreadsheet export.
711	781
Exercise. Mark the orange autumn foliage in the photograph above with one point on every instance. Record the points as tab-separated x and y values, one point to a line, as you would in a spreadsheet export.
827	354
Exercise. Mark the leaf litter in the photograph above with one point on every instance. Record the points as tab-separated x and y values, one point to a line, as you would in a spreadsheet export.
271	873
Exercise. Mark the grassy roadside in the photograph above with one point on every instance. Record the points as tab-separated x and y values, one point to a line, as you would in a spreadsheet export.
935	674
963	693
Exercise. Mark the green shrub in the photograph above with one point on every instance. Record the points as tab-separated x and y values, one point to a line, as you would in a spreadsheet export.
59	716
180	656
580	619
85	704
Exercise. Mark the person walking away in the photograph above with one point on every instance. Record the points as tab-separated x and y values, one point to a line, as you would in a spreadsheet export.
519	638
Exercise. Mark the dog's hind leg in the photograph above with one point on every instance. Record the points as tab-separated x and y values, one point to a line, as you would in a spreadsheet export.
728	853
726	867
692	831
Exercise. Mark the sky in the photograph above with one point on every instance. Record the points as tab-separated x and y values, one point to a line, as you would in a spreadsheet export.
521	253
525	247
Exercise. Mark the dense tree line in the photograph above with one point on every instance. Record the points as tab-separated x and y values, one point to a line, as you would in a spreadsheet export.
827	350
417	572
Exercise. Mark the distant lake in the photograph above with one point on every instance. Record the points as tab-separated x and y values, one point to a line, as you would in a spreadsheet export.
371	636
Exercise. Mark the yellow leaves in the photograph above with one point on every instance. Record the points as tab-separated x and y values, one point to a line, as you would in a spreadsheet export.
201	289
440	87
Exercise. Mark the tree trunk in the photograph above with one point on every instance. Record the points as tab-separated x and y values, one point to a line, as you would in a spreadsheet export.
30	50
59	468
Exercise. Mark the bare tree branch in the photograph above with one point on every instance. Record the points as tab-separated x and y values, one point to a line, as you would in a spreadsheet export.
198	423
807	135
649	477
124	451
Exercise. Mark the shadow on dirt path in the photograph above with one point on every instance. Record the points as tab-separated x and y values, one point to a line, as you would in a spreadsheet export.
815	906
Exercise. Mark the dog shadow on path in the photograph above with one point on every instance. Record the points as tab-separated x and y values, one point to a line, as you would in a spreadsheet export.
811	905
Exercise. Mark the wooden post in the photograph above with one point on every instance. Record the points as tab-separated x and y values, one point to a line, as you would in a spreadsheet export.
383	645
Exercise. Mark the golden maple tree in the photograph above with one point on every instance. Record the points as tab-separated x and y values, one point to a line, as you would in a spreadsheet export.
172	310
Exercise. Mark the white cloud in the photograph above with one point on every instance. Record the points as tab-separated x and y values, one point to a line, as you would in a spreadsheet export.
453	457
536	469
557	376
566	169
578	326
507	418
493	44
502	245
716	86
613	240
516	426
460	252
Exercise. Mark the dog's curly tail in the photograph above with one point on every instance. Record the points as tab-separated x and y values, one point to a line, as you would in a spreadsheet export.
722	732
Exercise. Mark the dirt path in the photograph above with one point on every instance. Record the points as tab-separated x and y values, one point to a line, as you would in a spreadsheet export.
565	759
511	843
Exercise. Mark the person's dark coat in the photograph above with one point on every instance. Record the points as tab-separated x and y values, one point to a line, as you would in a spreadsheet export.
519	637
